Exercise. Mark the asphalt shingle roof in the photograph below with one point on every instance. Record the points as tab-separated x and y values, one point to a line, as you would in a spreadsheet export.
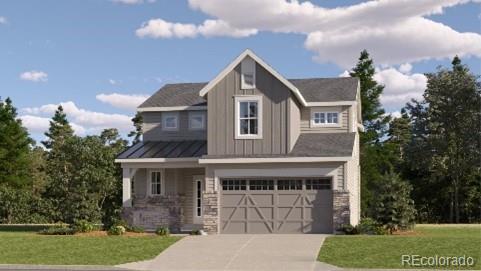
312	89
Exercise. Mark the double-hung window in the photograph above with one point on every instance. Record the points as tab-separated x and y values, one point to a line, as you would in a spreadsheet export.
248	117
325	119
156	178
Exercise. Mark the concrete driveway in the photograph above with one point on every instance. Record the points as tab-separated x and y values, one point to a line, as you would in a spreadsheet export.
240	252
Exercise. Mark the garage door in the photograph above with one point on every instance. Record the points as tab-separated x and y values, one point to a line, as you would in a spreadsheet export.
293	205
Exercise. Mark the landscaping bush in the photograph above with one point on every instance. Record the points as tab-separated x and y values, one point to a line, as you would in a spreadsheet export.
61	229
136	229
162	231
370	226
394	207
195	232
84	226
116	230
349	229
25	227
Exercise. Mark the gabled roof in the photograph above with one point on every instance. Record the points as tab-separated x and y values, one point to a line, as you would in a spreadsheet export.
170	95
314	90
233	64
327	89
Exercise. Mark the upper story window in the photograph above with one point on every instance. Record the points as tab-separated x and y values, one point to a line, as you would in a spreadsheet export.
170	121
248	73
196	120
325	118
248	117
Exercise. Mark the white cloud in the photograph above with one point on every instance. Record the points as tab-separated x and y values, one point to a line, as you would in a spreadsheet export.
131	2
36	124
405	68
393	31
400	87
124	101
34	76
345	73
113	82
3	20
83	121
158	28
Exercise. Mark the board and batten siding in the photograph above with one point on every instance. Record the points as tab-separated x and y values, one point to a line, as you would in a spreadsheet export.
275	109
152	128
343	117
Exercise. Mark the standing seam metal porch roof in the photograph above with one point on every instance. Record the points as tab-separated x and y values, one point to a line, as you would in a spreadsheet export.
165	149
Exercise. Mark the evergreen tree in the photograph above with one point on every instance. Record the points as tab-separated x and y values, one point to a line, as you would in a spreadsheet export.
59	130
375	159
14	148
372	113
137	133
454	123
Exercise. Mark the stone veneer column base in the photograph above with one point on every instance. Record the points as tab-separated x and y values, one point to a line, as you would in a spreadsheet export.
340	209
153	212
211	212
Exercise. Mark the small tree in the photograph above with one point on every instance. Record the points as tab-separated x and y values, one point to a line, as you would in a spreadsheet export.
394	208
137	133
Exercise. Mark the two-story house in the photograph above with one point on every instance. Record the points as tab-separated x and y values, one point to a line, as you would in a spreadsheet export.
248	152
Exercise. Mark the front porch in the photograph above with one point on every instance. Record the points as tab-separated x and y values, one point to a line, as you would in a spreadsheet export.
170	197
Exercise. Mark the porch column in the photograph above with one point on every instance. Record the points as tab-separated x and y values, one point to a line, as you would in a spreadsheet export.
126	184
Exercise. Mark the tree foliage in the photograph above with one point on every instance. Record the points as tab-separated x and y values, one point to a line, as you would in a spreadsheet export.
14	148
443	155
137	133
394	206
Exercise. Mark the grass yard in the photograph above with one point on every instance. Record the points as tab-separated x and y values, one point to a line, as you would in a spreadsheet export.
32	248
362	251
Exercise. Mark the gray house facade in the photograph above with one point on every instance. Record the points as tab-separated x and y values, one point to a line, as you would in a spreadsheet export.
247	152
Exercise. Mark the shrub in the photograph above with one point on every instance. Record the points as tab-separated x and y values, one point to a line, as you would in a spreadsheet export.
162	231
349	229
83	226
61	229
116	230
370	226
394	208
195	232
136	229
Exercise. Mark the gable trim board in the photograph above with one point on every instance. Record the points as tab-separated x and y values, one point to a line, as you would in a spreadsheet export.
232	65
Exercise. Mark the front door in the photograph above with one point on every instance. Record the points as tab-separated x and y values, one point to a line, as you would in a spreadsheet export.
197	197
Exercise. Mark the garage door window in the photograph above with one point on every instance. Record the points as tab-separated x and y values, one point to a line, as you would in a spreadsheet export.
261	185
233	184
318	184
289	185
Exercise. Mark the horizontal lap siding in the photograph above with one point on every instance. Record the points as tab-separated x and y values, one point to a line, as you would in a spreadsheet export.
221	110
152	128
306	120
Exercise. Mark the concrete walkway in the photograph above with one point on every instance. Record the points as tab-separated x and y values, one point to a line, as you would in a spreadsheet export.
239	252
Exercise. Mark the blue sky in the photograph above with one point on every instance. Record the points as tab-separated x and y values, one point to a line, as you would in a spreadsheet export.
70	52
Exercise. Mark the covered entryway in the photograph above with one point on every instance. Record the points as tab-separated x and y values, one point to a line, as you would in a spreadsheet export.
276	205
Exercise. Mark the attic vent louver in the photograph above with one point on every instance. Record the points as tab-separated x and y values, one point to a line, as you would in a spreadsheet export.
248	73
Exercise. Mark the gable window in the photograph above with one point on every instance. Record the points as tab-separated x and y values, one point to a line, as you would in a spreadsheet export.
248	117
196	120
170	121
325	118
248	73
156	179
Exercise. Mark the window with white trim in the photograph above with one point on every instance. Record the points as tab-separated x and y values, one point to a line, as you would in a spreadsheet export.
248	117
156	182
325	118
196	120
170	121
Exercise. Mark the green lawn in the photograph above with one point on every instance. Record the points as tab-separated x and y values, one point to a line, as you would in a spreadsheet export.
32	248
360	251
